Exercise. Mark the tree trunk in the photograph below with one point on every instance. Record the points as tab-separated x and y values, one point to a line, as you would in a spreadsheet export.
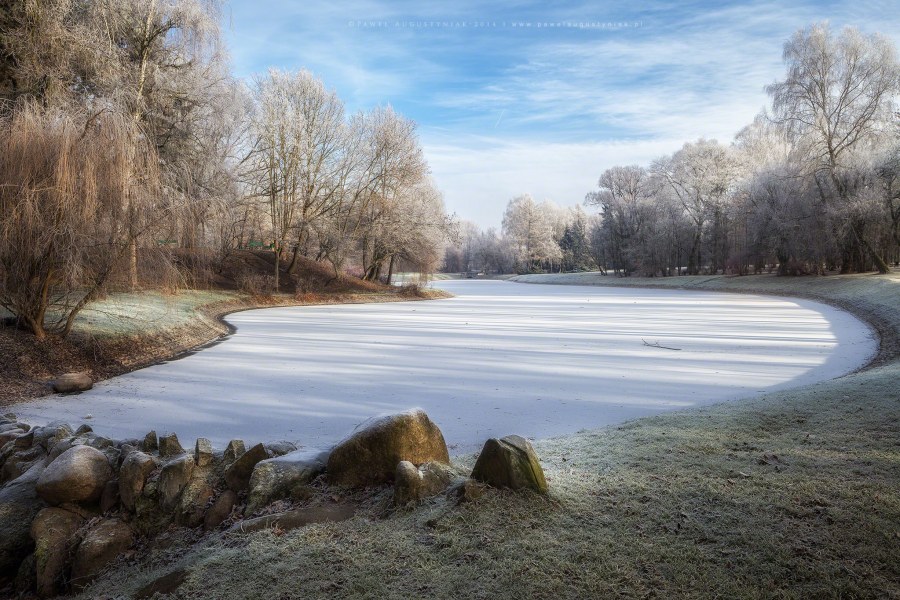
390	274
277	251
132	264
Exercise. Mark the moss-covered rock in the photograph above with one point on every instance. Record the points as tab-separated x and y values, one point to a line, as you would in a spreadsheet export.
52	531
370	455
274	478
510	462
99	547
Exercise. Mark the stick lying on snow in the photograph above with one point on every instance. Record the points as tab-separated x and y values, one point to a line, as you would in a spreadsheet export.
656	345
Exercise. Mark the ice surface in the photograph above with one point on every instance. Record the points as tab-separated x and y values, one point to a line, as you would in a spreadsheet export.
500	358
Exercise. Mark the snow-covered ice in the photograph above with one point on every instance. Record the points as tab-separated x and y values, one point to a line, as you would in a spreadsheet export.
500	358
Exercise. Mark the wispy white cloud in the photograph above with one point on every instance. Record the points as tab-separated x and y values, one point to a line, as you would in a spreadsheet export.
559	105
478	175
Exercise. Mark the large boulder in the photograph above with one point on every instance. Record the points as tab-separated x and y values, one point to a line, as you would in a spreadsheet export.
412	484
77	475
134	471
173	478
510	462
274	478
238	473
370	455
19	503
72	382
99	547
52	531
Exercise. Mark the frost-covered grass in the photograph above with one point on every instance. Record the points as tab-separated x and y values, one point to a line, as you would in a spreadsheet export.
145	312
795	494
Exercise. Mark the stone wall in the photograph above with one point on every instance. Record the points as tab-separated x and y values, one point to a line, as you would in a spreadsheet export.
72	501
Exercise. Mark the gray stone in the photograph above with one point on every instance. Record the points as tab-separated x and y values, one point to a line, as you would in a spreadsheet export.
280	448
151	442
203	452
72	382
274	478
413	484
173	478
83	428
26	577
511	463
100	546
25	441
50	435
20	461
98	441
169	446
237	475
77	475
466	490
52	531
19	503
233	451
293	519
8	436
135	469
220	510
196	497
109	499
370	455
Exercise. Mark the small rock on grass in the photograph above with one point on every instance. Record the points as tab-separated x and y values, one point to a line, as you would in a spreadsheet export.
510	462
293	519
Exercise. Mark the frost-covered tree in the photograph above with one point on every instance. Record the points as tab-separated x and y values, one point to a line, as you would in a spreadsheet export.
529	227
700	176
836	97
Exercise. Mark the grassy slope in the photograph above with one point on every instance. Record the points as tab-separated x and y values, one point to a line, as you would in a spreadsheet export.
794	494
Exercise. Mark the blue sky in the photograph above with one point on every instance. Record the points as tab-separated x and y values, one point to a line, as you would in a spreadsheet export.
540	97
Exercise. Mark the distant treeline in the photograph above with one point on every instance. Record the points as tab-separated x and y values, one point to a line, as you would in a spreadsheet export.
812	185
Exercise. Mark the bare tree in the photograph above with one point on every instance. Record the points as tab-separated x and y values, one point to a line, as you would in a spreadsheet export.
700	175
73	195
836	95
530	231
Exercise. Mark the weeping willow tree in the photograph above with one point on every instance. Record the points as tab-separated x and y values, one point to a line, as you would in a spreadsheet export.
76	190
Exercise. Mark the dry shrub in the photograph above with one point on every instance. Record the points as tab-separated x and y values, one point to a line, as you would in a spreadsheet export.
255	284
411	290
76	192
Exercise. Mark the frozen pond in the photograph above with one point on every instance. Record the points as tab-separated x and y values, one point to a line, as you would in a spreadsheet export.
500	358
